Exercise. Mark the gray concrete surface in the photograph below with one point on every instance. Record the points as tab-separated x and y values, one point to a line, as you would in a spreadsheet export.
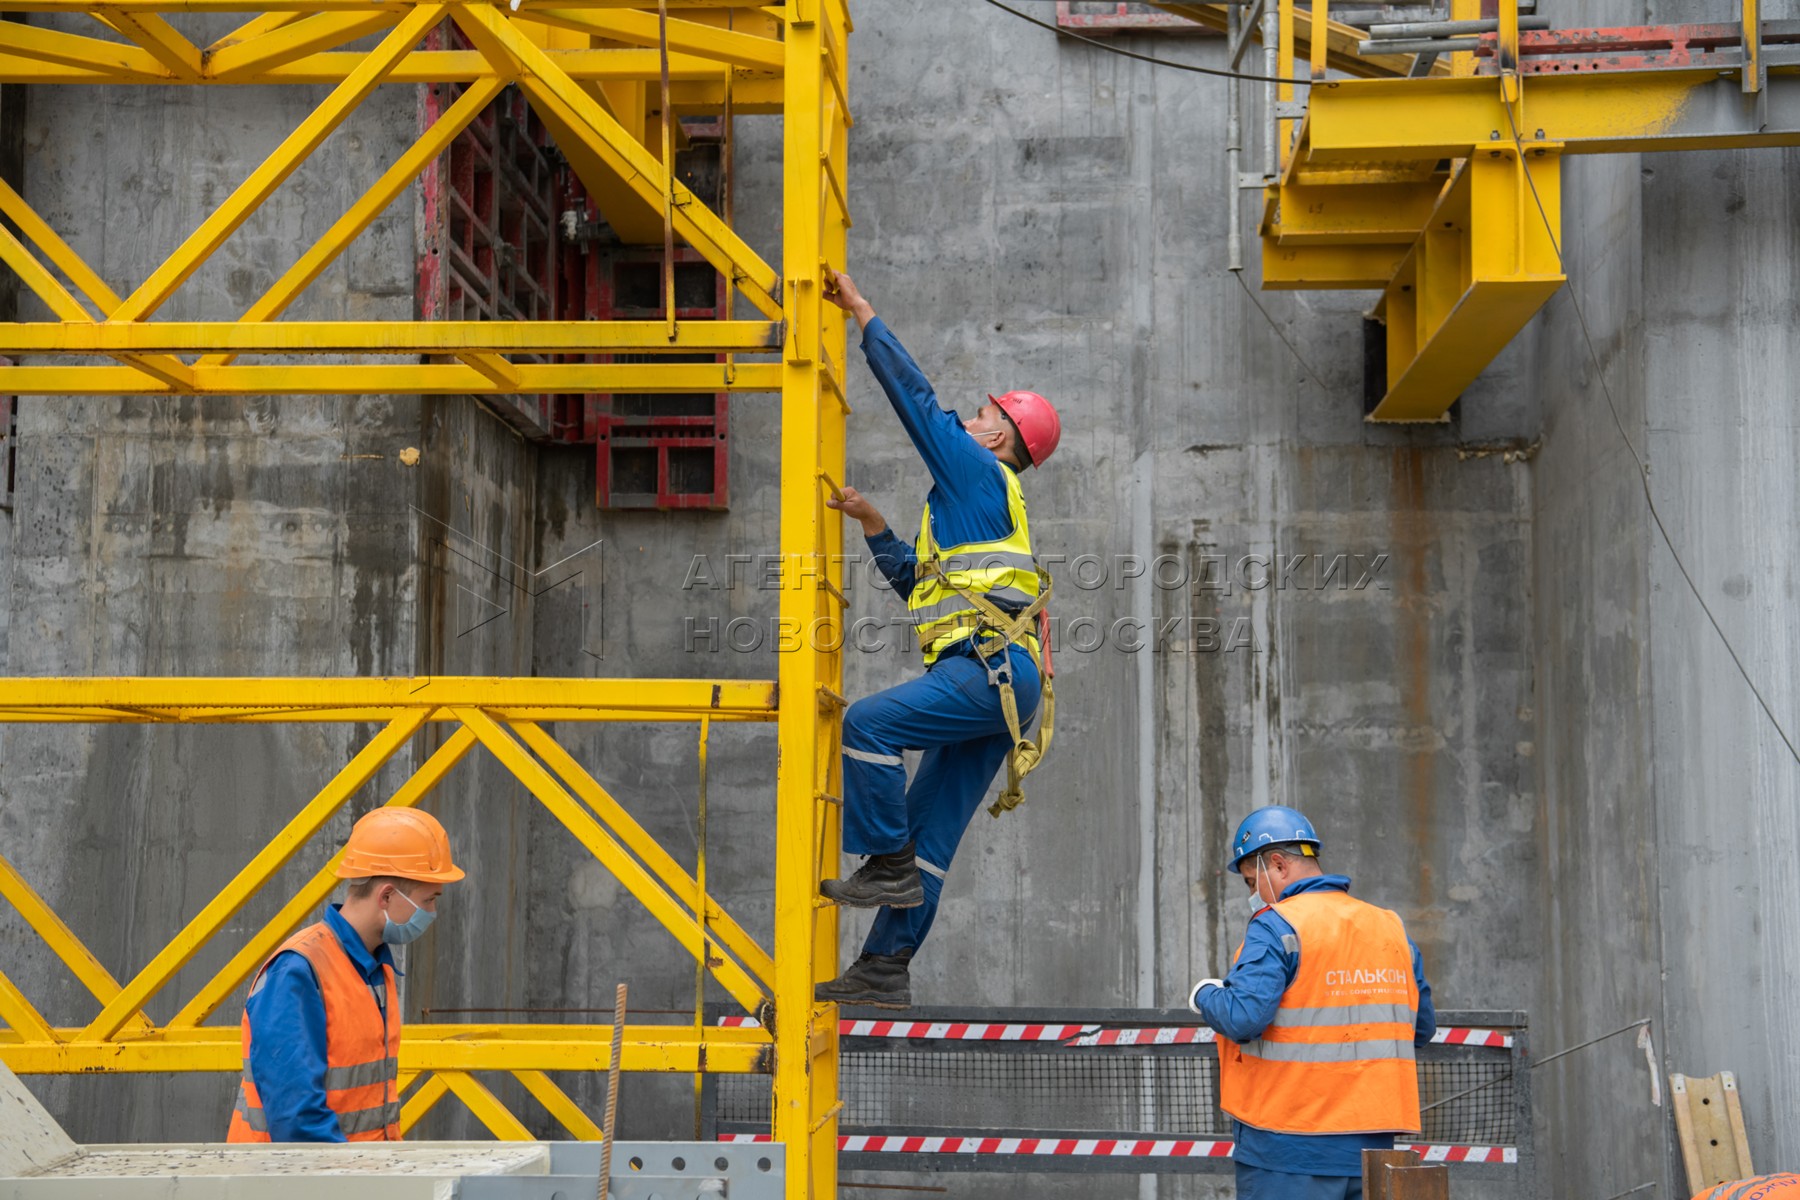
1520	731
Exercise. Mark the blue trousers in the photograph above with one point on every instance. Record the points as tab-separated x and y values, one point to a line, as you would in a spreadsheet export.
1254	1183
953	714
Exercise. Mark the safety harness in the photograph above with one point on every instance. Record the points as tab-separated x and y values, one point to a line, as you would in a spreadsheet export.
1001	629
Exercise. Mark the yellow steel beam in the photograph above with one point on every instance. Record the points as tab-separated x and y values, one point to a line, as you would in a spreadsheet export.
730	935
689	37
162	40
1486	264
441	379
281	163
1391	213
21	1016
668	1049
1607	112
649	890
291	699
1340	41
592	138
557	1103
39	44
292	41
255	27
421	1102
1316	268
34	275
246	961
258	335
271	858
812	445
486	1106
62	942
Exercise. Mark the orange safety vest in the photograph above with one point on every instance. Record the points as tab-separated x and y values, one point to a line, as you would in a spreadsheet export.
1774	1187
1338	1055
362	1047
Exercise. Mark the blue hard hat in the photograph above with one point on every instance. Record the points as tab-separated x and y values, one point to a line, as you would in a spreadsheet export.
1275	825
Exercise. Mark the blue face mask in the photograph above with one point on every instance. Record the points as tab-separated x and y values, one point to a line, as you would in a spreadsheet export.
398	933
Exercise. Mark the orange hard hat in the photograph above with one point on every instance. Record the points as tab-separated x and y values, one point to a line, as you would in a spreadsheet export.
403	842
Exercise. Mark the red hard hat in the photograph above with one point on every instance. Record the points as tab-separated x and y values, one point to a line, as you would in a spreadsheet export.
1037	421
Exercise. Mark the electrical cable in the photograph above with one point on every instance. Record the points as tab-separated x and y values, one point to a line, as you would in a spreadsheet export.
1160	62
1643	468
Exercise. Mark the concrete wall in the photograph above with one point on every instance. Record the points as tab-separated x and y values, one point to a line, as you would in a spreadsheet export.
1483	677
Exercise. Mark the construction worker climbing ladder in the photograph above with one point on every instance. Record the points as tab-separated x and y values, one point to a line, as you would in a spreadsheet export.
975	595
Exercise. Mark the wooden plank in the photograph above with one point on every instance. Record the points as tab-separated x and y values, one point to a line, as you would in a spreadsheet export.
1709	1122
1418	1183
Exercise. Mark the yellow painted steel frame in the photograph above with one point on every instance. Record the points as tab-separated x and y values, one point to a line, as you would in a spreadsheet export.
585	66
1430	190
565	56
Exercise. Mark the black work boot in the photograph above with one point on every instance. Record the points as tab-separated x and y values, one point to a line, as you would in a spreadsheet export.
883	881
876	979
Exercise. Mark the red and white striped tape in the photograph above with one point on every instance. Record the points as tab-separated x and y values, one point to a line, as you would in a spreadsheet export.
1104	1147
1083	1035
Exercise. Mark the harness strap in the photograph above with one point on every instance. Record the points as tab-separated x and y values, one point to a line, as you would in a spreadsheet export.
1012	629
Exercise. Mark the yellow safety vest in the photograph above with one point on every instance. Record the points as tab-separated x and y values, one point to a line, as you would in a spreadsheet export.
993	592
1002	571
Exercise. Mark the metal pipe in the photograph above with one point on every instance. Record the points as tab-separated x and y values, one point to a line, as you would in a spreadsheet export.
1419	46
1271	40
1234	241
1437	29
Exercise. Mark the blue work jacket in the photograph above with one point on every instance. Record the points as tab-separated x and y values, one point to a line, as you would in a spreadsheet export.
287	1037
1243	1008
968	493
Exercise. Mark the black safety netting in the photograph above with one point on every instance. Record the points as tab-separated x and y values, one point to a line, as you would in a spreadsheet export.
1008	1092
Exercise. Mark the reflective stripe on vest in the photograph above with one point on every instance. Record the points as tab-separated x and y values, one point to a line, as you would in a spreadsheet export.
1004	571
362	1046
1338	1056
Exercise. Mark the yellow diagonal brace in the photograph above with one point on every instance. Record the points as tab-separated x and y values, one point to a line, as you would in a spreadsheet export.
35	276
257	951
620	152
610	854
62	940
640	29
279	165
73	50
637	839
161	39
494	366
372	204
486	1106
270	859
28	1023
567	1113
59	252
321	31
255	28
421	1102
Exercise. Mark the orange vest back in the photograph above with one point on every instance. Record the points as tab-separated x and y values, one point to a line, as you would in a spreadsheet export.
362	1050
1775	1187
1338	1056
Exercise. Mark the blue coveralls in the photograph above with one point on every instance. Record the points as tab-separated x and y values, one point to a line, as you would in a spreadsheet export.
1292	1166
952	712
287	1036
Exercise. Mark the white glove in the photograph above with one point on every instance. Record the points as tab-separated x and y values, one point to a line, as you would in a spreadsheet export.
1194	995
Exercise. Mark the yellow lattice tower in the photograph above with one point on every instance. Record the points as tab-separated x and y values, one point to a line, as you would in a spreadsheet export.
577	62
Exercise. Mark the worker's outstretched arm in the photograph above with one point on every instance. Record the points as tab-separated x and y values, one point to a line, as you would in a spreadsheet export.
1242	1006
287	1052
960	466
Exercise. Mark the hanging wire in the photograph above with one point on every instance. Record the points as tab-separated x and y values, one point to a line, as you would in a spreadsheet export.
1160	62
1643	467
